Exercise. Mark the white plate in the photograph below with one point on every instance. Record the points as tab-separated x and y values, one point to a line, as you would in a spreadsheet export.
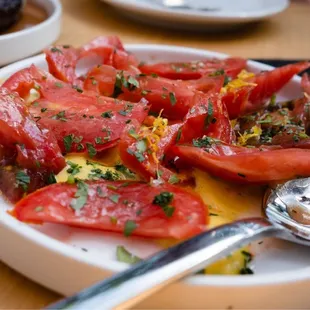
52	255
230	13
21	44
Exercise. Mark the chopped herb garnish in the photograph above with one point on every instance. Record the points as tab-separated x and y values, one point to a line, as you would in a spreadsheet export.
74	168
58	84
172	98
78	89
100	192
124	170
114	198
91	149
137	154
209	118
213	214
22	180
66	46
113	220
51	179
242	175
94	82
179	133
55	49
205	142
217	72
39	209
154	75
141	145
132	83
163	200
107	114
43	110
133	133
125	256
60	116
98	140
68	142
130	226
119	82
174	179
80	196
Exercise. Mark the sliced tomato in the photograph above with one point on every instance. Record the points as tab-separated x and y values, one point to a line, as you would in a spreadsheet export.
36	147
118	206
206	84
195	69
173	97
305	83
62	61
247	165
207	117
82	127
111	51
142	150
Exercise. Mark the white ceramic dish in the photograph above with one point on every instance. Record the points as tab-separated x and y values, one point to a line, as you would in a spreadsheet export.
53	255
228	14
21	44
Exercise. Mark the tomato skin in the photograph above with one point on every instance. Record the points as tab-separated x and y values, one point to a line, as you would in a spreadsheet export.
62	61
198	122
185	71
149	167
133	202
111	51
246	165
36	147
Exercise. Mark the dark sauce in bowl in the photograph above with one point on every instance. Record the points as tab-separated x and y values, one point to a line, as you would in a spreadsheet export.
30	15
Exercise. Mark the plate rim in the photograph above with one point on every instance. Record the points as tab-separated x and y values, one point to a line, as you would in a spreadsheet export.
151	9
67	250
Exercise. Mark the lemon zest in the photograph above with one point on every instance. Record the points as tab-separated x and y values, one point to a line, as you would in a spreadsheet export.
255	132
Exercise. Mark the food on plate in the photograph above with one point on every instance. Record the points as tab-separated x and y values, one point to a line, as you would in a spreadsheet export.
162	151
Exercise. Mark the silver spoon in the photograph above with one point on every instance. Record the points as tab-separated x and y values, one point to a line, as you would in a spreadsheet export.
287	211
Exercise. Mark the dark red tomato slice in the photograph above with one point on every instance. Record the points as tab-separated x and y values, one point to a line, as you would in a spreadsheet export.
247	165
195	69
142	151
118	206
62	61
36	147
207	117
79	127
173	97
111	51
206	84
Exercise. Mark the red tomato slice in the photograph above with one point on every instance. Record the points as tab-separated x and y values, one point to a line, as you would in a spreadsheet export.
62	60
305	83
36	147
207	117
247	165
206	84
111	51
82	127
119	206
195	69
143	153
173	97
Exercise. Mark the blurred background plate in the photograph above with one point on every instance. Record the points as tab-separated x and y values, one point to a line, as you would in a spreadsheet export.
18	44
215	15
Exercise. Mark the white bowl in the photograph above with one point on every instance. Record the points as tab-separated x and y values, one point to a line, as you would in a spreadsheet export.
24	43
52	255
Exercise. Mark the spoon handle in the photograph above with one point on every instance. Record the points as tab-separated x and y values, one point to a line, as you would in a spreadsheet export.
146	277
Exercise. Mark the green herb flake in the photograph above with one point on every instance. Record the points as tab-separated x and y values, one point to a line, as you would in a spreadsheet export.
179	134
80	196
125	256
132	133
241	175
22	180
39	209
60	116
217	72
58	84
173	179
132	83
113	220
107	114
130	226
51	179
43	110
209	117
114	198
56	50
91	150
163	200
77	88
98	140
141	145
68	142
172	98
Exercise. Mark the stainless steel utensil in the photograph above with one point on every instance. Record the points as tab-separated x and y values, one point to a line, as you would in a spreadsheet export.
184	4
287	212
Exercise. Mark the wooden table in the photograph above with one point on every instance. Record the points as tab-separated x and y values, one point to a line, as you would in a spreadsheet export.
284	36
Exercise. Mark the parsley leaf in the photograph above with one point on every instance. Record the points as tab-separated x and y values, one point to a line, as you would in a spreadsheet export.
22	180
173	99
174	179
68	142
163	200
123	255
80	195
91	150
130	226
107	114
